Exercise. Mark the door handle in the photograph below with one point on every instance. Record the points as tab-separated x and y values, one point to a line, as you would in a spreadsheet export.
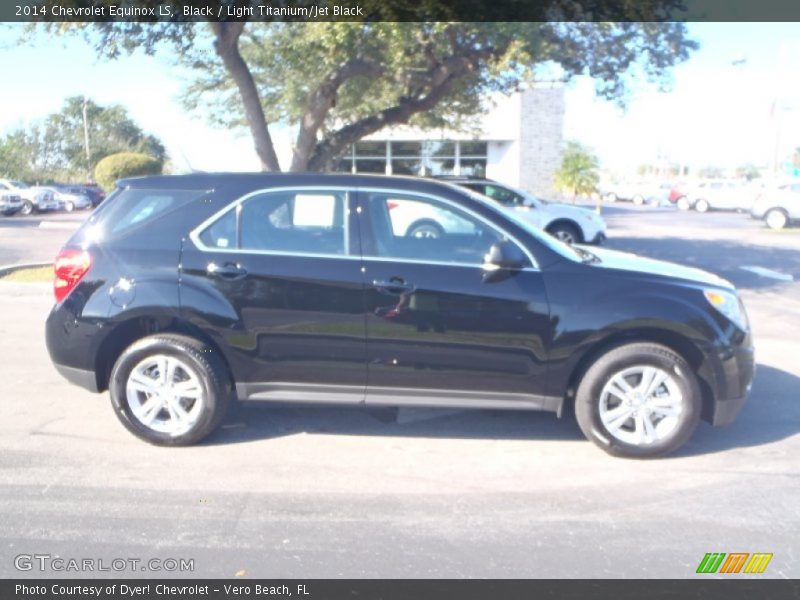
394	286
227	271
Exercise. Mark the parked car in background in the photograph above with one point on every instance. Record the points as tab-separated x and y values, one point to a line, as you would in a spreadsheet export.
10	199
718	194
39	199
570	224
93	191
639	192
179	290
70	197
778	206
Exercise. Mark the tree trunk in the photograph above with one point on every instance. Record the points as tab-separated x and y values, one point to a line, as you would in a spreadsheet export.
226	45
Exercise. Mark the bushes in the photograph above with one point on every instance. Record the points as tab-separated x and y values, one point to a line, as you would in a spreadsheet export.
122	165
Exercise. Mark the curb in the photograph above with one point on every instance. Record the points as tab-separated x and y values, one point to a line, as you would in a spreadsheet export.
6	269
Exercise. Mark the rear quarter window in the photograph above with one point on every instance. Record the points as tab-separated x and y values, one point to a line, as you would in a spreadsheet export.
129	209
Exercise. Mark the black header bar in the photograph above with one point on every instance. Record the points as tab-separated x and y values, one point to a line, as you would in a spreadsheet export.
397	10
735	588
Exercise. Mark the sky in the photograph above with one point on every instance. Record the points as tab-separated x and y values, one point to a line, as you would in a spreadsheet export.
716	113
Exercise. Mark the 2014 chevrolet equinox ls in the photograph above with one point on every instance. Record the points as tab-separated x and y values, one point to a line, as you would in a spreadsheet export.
303	288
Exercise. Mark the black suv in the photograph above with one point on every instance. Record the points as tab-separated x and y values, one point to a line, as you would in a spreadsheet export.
180	290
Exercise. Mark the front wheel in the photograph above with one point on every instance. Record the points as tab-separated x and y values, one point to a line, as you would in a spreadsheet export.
639	400
565	232
702	206
170	390
425	229
69	206
638	199
27	208
776	219
683	203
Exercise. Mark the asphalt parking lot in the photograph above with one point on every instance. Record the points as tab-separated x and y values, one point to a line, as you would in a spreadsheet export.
327	492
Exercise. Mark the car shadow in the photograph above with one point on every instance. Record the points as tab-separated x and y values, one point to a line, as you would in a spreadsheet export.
722	257
771	414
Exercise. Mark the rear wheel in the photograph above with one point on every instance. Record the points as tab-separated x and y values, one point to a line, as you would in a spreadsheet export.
701	205
612	197
639	400
683	203
170	390
776	219
638	199
69	206
27	208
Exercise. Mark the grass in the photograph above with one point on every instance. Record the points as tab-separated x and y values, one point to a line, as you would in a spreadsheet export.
32	275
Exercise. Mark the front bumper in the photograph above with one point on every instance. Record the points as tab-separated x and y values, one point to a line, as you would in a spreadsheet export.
735	372
598	239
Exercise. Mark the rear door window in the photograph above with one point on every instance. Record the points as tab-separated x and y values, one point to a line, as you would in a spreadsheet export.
284	221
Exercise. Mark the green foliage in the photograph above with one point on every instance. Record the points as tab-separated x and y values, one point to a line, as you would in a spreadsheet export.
125	164
710	172
748	171
337	82
578	173
54	148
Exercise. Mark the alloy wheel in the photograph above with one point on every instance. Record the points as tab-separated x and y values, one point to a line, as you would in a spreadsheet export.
165	394
641	405
564	236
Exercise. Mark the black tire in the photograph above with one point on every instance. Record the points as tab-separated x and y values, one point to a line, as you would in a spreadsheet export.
588	398
565	232
27	208
69	206
425	228
209	368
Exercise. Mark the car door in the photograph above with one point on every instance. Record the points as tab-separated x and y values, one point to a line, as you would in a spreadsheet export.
274	277
441	329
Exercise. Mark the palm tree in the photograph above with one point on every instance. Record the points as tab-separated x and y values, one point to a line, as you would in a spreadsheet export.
578	171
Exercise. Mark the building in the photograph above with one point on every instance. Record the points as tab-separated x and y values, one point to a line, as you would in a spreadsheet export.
518	142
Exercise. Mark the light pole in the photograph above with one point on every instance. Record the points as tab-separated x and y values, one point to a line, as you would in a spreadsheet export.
86	139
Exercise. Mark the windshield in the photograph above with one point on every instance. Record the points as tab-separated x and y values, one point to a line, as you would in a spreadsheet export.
565	250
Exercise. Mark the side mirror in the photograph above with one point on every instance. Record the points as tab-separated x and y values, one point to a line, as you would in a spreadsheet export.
504	256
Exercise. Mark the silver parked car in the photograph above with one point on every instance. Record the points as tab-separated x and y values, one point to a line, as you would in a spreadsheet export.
778	206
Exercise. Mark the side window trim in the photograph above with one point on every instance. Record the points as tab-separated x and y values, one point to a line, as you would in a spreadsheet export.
236	205
362	191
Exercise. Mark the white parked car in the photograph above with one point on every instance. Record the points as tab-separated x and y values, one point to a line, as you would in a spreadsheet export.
717	194
570	224
639	192
34	199
10	199
778	206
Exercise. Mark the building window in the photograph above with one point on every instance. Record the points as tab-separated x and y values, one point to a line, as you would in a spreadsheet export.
430	157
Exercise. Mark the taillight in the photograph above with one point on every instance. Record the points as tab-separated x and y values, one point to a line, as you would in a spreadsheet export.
70	267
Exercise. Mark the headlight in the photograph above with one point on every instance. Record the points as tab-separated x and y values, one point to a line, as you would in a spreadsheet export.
729	305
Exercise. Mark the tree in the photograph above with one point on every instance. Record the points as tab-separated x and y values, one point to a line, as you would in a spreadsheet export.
578	173
337	82
55	148
748	171
125	164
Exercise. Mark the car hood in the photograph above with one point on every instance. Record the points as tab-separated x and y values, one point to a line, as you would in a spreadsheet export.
624	261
